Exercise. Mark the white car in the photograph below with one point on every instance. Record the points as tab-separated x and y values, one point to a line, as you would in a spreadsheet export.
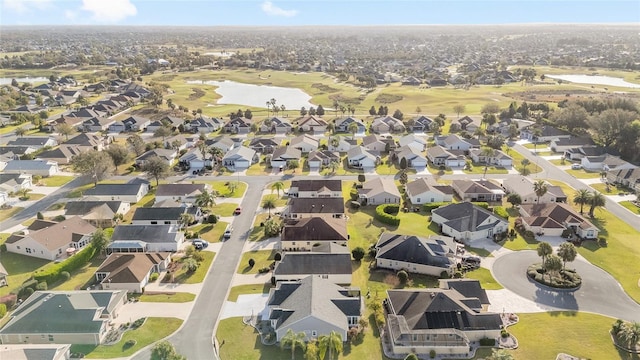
576	167
227	232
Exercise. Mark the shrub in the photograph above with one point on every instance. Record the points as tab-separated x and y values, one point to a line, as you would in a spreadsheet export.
251	263
383	214
566	233
27	292
487	342
277	257
263	270
9	300
501	211
354	194
402	276
136	324
444	274
602	242
529	235
59	218
3	310
154	277
358	253
129	343
71	264
482	204
432	354
42	286
213	219
3	248
504	333
64	276
39	216
432	206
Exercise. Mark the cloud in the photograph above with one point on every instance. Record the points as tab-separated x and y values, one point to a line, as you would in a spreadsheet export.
23	6
71	15
110	11
273	10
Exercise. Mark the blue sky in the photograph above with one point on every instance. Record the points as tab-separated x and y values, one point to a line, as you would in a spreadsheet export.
314	12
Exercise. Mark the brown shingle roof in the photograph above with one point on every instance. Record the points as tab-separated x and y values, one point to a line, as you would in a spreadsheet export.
55	236
316	229
130	267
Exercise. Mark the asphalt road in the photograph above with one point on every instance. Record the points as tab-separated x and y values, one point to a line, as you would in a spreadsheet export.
600	293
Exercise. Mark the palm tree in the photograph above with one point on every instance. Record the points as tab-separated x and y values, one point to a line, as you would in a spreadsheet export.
567	253
487	153
278	185
553	264
582	197
206	198
216	154
332	343
597	200
334	141
333	165
525	163
23	193
269	203
186	219
353	129
544	250
540	188
293	340
630	333
20	132
501	354
268	107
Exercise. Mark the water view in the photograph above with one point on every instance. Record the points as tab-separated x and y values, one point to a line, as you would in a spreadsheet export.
596	80
7	81
257	95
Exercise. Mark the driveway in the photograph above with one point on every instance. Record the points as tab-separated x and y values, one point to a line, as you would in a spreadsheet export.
600	293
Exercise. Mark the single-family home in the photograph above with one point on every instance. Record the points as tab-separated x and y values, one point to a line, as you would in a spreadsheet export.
313	124
335	267
466	221
240	158
414	141
299	208
163	215
306	143
276	125
283	154
238	125
130	271
419	124
86	140
31	167
204	124
186	193
343	125
358	157
304	234
63	154
468	124
36	351
37	142
180	141
97	213
319	159
15	152
564	144
170	121
263	145
478	190
447	320
412	156
604	162
224	143
376	144
50	240
168	155
439	156
64	317
542	134
455	142
379	191
387	124
131	193
553	218
145	238
321	188
194	160
497	158
15	182
626	177
577	153
95	124
132	123
341	144
313	306
431	255
423	191
523	186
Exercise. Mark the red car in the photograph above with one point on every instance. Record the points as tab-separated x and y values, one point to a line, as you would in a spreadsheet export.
237	211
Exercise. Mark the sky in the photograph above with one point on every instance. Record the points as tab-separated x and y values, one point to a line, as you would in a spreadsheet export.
314	12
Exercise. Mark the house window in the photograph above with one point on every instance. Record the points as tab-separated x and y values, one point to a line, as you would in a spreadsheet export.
418	200
18	247
325	276
50	337
154	223
28	250
293	243
167	222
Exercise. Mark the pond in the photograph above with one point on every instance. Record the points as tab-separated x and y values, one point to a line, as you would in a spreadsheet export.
596	80
257	95
22	80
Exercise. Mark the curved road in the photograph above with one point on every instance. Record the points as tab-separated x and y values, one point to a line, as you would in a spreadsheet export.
600	293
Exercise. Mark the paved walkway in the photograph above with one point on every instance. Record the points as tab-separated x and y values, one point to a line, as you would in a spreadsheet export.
250	279
169	287
591	181
246	305
135	310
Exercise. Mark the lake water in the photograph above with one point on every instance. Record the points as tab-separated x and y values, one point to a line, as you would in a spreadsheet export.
7	81
257	95
596	80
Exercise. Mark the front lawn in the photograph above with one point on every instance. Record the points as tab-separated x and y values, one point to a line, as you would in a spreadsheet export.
81	278
223	189
484	276
583	174
179	297
210	232
517	160
263	259
479	169
152	330
20	268
630	206
279	201
224	209
248	289
57	180
8	213
257	232
183	277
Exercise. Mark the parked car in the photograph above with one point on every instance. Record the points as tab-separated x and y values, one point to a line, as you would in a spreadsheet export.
576	167
200	243
237	211
227	232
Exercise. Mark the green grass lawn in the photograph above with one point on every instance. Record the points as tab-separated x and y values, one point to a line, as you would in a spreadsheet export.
257	169
179	297
559	162
224	209
81	278
257	231
279	201
151	331
197	276
479	169
517	161
210	232
263	258
57	180
584	335
8	213
248	289
56	206
630	206
33	196
223	190
583	174
536	146
20	268
484	276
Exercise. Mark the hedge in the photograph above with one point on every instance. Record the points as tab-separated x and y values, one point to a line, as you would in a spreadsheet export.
71	264
432	206
501	211
481	204
383	214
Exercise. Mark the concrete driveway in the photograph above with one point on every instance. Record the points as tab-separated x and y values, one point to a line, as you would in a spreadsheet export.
600	293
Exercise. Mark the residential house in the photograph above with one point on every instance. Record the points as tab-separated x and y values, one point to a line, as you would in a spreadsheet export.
240	158
85	140
379	191
343	125
131	193
546	133
376	144
194	160
306	143
323	188
131	272
447	320
578	153
468	124
180	142
4	197
36	351
313	124
387	124
553	218
224	143
416	142
97	213
238	125
170	121
205	125
342	145
498	158
283	154
37	142
15	152
64	317
431	256
15	182
145	238
564	144
335	267
95	124
132	123
604	162
158	215
63	154
313	306
422	191
466	221
358	157
168	155
412	156
327	208
411	80
180	192
276	125
306	233
626	177
263	145
320	159
523	186
439	156
419	124
455	142
50	240
478	190
31	167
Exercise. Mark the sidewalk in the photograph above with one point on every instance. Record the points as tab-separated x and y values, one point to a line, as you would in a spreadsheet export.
250	279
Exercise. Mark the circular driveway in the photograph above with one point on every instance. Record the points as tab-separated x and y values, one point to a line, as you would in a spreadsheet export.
600	293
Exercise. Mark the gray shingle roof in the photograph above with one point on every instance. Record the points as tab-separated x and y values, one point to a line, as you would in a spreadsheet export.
146	233
434	251
313	263
158	213
113	189
316	205
179	189
85	207
465	216
316	229
315	185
